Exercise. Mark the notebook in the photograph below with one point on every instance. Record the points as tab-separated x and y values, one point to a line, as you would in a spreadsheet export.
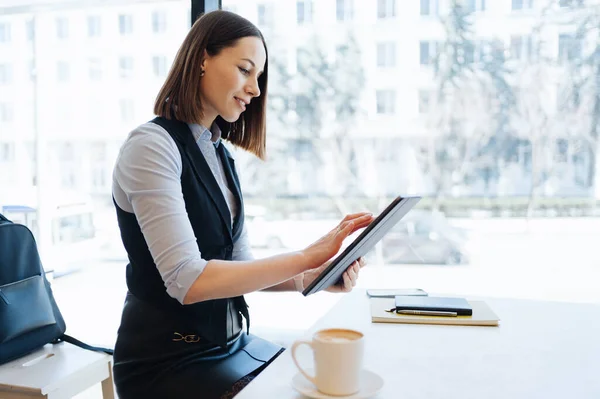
443	304
483	315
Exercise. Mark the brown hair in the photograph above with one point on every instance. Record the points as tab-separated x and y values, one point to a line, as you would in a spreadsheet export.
179	97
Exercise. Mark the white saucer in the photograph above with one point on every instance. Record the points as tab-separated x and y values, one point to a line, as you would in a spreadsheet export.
371	384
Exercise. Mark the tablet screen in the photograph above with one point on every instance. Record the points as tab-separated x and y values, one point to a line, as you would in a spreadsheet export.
363	243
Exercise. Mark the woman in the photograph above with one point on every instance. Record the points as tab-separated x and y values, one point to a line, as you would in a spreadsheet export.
181	216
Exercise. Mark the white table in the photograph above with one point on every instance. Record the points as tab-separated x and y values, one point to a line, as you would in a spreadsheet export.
58	371
540	350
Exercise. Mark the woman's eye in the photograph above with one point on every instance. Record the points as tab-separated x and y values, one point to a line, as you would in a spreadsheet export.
244	71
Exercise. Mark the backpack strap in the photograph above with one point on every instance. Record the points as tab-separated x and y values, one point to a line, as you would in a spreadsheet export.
76	342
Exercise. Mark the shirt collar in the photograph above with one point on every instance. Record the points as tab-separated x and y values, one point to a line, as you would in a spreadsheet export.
201	133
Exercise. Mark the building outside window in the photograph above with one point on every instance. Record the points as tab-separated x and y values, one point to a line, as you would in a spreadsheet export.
430	8
386	102
63	72
569	48
126	67
265	15
159	21
62	28
427	52
29	30
386	54
344	10
125	24
521	4
5	74
93	26
474	5
386	9
4	32
127	110
304	12
521	47
6	112
95	69
159	66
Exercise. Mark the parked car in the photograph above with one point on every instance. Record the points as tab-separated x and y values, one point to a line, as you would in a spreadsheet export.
425	238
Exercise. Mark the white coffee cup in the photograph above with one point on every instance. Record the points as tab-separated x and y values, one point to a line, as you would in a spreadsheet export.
338	356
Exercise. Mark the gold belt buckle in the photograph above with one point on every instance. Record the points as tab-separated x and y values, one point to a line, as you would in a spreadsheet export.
188	339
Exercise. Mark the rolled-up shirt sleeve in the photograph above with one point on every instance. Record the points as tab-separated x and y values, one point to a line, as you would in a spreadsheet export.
147	182
241	248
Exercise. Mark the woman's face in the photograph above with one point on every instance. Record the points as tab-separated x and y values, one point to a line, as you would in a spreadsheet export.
230	80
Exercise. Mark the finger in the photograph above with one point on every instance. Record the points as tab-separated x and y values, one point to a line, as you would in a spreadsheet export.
362	221
352	274
361	262
356	268
355	216
345	229
347	283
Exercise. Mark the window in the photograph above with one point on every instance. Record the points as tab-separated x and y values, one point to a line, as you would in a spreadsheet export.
265	15
127	110
386	102
5	74
7	152
29	30
6	112
62	28
344	10
93	25
68	165
521	47
569	48
98	163
304	12
386	54
571	3
521	4
126	67
468	53
159	21
4	32
474	5
424	101
95	69
427	52
159	66
386	9
62	71
125	24
430	7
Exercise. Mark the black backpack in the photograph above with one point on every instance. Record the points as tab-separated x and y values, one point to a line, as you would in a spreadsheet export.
29	316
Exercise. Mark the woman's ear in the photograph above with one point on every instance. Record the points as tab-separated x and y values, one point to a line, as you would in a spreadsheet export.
205	57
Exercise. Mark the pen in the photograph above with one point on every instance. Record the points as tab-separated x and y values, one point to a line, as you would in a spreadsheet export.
427	313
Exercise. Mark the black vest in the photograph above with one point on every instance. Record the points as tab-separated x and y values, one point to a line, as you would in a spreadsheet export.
214	320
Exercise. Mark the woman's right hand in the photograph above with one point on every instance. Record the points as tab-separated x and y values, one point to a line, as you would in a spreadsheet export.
327	246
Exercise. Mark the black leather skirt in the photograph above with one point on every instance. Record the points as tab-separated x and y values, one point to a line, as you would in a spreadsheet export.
153	359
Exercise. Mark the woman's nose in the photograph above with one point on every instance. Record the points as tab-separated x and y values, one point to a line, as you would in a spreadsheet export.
253	88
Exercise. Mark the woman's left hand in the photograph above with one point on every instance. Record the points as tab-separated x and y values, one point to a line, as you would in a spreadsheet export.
349	277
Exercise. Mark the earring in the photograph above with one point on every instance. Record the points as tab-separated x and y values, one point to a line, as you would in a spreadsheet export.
202	73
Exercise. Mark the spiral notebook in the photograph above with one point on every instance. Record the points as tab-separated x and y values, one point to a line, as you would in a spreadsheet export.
483	315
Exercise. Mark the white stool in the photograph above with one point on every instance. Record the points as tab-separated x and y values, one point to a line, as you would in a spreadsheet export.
56	372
